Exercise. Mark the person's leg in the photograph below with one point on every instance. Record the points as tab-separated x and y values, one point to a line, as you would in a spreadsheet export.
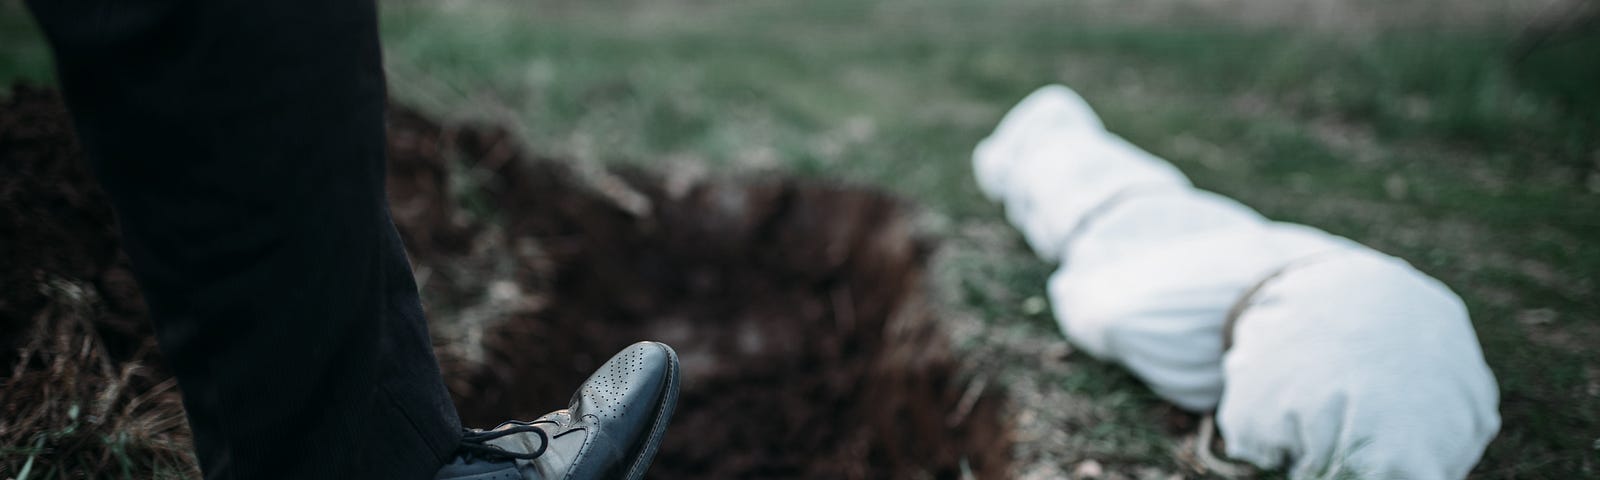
242	143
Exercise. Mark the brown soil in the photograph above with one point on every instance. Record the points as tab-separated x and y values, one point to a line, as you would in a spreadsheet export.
796	307
82	392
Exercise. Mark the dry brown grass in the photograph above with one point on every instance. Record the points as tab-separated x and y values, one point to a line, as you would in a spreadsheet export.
69	410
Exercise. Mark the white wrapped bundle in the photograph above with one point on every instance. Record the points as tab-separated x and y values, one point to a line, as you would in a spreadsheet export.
1351	363
1357	362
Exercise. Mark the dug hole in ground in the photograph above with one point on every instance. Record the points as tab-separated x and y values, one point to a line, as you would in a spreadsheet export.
797	308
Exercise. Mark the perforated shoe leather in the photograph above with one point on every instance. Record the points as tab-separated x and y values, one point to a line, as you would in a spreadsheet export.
611	429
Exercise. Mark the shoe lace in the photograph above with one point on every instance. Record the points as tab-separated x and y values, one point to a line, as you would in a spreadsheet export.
473	443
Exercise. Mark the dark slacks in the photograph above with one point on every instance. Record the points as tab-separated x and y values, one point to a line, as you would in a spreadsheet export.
242	144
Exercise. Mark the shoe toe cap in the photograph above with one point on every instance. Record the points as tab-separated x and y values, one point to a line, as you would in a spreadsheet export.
631	384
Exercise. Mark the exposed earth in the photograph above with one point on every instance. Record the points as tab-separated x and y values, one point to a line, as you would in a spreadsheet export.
798	308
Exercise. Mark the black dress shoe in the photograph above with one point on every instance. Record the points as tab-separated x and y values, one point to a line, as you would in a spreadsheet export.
611	430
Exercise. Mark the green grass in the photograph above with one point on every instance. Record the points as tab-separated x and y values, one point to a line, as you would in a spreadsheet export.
23	55
1423	139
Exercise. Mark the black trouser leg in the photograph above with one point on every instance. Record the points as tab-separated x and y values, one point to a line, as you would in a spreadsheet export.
242	143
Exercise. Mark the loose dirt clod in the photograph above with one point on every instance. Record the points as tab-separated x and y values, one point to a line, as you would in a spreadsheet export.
796	308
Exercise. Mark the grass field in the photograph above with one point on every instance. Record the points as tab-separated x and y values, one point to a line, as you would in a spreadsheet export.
1408	129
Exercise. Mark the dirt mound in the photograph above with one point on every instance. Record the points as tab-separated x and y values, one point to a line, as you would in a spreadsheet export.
796	307
83	390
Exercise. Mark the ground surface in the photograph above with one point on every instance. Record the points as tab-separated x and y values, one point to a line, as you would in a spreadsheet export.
1410	126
